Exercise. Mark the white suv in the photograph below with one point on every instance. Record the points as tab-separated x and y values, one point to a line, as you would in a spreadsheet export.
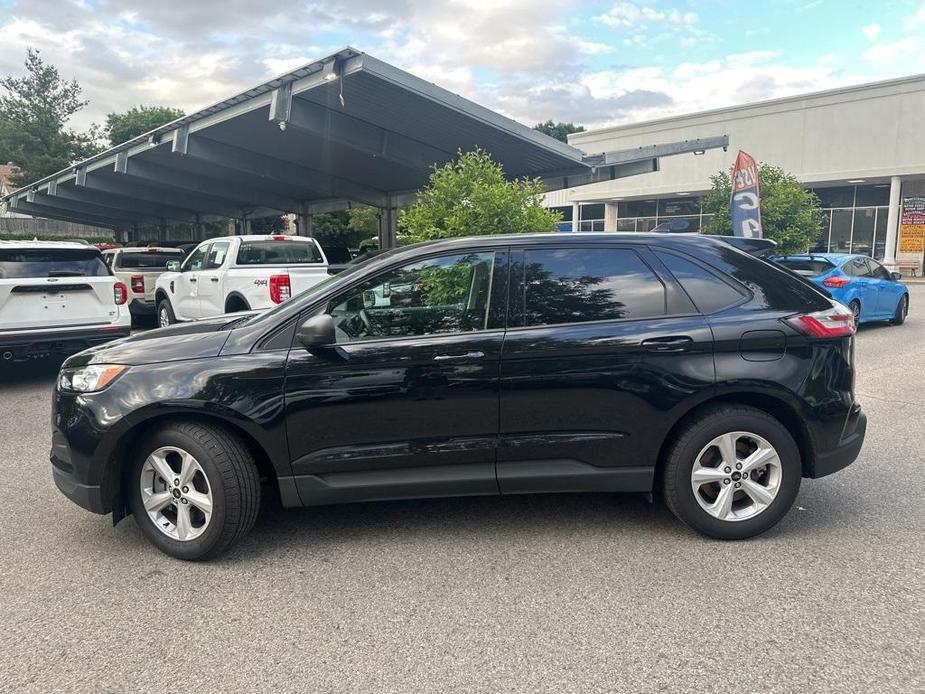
57	298
138	269
238	273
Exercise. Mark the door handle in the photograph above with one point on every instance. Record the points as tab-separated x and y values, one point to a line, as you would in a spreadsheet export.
459	357
667	344
193	279
213	279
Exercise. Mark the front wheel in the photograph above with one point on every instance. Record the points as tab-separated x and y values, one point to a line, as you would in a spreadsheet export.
194	490
165	315
732	473
902	310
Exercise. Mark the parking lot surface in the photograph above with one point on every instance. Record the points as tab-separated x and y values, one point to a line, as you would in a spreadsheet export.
526	594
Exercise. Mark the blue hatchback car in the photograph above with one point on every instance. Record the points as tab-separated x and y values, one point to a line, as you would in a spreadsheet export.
861	283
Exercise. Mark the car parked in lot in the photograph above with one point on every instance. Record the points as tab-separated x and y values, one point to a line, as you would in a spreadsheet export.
57	298
517	364
872	292
138	269
238	273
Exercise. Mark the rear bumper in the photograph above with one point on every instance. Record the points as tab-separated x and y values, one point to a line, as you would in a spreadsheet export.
142	307
847	450
26	345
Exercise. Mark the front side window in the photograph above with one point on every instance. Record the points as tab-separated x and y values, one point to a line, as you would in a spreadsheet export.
447	294
580	285
196	260
877	271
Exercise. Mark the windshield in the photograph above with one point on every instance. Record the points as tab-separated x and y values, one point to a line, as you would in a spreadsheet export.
278	253
147	260
308	295
51	262
808	267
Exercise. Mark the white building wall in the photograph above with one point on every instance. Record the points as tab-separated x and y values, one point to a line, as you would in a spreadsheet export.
867	132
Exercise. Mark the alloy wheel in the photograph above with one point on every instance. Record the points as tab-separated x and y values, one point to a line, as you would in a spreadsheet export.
736	476
163	320
176	493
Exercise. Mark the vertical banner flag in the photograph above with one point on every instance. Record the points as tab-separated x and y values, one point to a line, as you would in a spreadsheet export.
746	198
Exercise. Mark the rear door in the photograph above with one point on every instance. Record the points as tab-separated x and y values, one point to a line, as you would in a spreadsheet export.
54	288
601	346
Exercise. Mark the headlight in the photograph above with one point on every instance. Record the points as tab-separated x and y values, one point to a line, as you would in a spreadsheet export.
89	379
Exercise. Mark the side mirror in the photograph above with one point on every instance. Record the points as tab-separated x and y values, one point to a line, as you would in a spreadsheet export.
173	266
896	276
317	331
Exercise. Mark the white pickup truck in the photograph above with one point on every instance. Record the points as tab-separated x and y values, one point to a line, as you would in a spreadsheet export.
238	273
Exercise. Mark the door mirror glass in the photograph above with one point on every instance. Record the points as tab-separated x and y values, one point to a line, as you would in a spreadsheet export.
317	331
173	266
896	276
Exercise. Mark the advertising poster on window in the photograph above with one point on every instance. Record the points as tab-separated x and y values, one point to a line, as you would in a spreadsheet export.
746	197
912	226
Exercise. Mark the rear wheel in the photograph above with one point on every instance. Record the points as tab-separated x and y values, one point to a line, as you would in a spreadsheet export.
165	315
855	307
194	490
902	310
732	473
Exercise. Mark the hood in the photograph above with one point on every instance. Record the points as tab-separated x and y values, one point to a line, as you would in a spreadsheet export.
195	340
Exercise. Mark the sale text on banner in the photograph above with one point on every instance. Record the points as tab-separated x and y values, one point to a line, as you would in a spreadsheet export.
746	198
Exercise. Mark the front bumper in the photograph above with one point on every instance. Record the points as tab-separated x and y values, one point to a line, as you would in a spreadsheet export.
846	452
88	496
32	345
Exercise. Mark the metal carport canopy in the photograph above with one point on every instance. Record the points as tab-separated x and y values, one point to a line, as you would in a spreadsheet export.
342	130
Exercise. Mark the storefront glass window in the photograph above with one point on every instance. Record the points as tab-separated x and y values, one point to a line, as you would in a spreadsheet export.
862	241
840	239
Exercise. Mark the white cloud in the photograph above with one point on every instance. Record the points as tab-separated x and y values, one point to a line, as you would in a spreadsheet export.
907	51
871	31
631	14
918	19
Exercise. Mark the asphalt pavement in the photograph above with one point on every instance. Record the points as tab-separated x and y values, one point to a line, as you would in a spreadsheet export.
562	593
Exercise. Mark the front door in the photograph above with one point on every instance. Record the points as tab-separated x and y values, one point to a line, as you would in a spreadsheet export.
185	299
211	298
596	357
406	403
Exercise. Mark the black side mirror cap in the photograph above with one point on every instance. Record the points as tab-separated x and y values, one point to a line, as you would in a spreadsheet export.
317	332
896	275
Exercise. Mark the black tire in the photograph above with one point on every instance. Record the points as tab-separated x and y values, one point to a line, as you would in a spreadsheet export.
697	434
164	312
855	307
232	477
902	310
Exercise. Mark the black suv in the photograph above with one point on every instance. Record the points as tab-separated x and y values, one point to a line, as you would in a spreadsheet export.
492	365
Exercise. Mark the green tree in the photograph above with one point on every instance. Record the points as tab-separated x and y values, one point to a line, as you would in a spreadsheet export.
560	131
121	127
471	197
790	214
34	111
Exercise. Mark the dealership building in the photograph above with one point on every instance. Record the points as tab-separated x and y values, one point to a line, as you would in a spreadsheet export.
861	149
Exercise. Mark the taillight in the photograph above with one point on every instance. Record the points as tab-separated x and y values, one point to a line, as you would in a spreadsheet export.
120	293
138	284
837	321
280	290
279	238
835	282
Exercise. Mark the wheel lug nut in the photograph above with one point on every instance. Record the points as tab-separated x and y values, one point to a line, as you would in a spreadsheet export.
738	466
186	501
727	469
738	484
176	483
726	481
186	490
744	477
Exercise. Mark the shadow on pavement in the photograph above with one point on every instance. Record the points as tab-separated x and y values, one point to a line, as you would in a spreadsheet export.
37	372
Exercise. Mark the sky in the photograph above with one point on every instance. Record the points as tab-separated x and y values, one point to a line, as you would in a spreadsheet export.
592	63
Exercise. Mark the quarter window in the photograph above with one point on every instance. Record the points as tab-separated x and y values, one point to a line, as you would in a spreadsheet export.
708	292
447	294
580	285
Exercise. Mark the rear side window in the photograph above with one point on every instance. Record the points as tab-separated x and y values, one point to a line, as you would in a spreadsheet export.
808	267
146	260
708	292
51	262
580	285
278	253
